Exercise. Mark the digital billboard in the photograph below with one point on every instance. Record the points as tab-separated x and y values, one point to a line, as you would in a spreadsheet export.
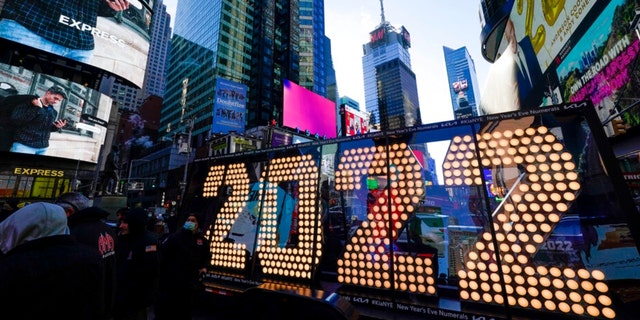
49	116
230	107
568	51
462	106
111	35
356	122
377	35
306	110
406	37
281	138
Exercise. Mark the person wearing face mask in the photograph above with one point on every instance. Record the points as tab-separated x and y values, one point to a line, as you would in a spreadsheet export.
184	257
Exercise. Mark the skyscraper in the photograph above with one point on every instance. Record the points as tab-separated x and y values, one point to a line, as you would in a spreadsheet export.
274	56
154	79
463	82
211	40
257	44
129	97
312	46
390	89
330	72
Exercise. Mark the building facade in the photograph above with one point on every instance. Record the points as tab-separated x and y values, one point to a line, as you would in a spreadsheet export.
390	88
256	44
312	46
129	97
154	80
209	41
463	82
275	56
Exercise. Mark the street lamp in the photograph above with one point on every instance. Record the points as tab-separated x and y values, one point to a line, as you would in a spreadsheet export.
184	147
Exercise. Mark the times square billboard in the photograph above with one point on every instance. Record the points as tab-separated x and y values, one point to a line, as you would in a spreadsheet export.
113	36
567	51
307	111
356	122
229	107
84	113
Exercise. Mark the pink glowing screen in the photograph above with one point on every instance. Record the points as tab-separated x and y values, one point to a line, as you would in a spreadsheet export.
306	110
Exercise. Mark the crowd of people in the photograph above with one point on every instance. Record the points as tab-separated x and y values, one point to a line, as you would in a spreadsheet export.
66	262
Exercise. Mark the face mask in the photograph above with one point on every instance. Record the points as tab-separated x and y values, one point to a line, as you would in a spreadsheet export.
189	225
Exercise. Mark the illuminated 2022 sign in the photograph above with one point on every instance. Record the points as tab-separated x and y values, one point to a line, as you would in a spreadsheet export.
499	268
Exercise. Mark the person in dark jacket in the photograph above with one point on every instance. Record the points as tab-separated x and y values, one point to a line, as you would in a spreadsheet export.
87	224
66	28
44	272
137	266
184	257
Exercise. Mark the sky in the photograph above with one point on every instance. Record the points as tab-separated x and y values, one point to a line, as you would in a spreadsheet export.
432	25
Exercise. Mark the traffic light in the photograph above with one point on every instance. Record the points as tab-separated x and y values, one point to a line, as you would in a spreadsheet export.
619	127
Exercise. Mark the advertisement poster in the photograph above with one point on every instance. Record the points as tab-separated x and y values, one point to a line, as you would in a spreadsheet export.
565	52
302	108
230	107
356	122
280	139
245	227
82	114
104	34
600	66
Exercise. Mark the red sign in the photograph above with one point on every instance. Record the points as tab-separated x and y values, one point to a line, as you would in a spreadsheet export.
377	35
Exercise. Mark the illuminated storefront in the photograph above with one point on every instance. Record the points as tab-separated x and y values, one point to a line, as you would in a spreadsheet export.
34	183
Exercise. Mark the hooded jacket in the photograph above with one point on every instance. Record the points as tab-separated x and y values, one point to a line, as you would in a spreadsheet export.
44	267
87	226
137	265
32	222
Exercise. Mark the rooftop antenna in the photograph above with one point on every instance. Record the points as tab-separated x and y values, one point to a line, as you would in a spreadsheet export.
382	12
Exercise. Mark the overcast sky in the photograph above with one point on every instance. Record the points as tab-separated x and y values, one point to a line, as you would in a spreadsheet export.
432	25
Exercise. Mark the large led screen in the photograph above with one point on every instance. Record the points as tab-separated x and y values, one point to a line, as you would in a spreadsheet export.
111	35
306	110
49	116
568	51
356	122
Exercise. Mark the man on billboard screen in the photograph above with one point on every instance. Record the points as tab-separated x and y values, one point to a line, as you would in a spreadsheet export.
63	27
112	35
34	118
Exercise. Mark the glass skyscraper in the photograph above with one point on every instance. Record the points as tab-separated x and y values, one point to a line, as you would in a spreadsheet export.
390	89
257	44
463	82
312	46
275	55
130	98
211	39
154	79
